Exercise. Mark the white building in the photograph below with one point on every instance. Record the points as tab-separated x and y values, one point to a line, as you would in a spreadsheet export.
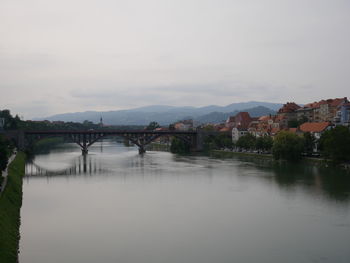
237	133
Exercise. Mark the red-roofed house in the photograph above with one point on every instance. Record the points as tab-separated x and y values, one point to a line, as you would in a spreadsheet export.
241	119
316	128
239	124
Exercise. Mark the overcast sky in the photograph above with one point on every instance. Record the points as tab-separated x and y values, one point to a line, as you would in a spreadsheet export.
78	55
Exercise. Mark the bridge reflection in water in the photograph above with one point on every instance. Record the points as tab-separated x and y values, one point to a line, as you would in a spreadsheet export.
81	165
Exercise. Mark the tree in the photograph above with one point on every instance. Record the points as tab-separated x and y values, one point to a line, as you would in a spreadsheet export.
246	142
309	143
223	141
288	146
11	123
152	126
264	143
208	127
179	146
3	153
335	144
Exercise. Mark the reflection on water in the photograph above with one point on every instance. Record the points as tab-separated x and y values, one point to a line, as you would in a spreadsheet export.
317	180
331	182
80	165
114	205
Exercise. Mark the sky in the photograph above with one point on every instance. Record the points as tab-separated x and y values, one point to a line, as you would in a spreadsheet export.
78	55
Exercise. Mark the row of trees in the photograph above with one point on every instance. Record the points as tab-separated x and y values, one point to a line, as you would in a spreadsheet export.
250	142
14	123
218	142
6	148
285	145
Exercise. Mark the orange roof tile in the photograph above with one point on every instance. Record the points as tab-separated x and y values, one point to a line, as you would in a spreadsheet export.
314	126
336	102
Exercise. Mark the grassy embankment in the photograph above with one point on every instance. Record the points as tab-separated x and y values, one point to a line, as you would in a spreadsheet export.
10	205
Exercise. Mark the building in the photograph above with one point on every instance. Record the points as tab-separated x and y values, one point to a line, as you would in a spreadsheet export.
306	113
238	132
321	111
315	128
184	125
342	116
240	119
287	113
239	124
267	125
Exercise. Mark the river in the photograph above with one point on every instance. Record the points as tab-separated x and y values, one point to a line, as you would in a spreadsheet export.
117	206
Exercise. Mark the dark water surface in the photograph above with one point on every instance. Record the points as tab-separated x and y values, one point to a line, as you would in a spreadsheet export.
117	206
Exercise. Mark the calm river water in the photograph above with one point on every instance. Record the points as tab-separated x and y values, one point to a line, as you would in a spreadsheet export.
118	207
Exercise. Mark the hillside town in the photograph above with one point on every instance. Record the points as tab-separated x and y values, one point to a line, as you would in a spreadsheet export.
315	118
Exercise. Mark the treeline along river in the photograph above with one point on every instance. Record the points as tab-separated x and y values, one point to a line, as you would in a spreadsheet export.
117	206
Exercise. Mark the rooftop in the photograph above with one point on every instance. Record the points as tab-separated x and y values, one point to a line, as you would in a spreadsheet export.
289	107
314	126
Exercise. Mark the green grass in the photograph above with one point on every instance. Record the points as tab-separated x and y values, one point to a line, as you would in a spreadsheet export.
10	205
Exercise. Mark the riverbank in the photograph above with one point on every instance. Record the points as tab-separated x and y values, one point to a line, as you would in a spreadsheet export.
310	160
227	154
10	205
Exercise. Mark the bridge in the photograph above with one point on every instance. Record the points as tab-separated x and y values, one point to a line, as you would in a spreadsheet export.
86	138
141	138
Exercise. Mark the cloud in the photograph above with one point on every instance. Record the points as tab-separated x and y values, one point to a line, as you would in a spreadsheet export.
101	55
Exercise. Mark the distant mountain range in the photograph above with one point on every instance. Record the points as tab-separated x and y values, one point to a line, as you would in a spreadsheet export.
166	115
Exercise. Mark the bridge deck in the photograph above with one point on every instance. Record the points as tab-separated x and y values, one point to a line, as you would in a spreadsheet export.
109	132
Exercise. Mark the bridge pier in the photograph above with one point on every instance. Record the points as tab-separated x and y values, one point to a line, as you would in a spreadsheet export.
84	151
142	150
